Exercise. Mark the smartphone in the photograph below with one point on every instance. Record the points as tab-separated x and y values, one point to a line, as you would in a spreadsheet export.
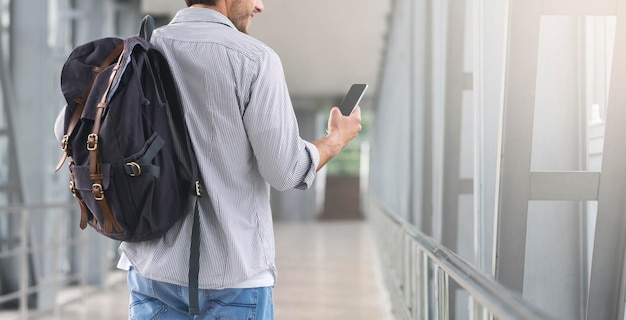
352	98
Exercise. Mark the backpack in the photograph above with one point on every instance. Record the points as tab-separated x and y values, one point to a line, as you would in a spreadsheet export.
132	168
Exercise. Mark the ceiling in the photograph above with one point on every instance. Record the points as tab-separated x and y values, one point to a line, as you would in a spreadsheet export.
325	45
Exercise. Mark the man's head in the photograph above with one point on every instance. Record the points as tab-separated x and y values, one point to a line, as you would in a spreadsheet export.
240	12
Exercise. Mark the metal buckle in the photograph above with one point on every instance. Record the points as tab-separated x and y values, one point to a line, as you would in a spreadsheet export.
98	191
64	142
135	168
73	189
92	142
197	188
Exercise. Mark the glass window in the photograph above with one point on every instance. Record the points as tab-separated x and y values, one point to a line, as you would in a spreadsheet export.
4	160
598	49
5	22
63	18
4	138
3	124
347	162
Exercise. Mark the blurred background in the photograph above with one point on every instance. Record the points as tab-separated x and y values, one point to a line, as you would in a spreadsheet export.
488	180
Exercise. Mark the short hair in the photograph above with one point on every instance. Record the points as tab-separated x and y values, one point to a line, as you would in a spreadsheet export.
207	2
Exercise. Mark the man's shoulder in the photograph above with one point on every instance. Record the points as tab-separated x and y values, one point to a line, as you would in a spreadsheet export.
232	40
252	46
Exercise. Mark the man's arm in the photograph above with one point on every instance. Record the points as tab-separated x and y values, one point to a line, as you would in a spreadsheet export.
341	130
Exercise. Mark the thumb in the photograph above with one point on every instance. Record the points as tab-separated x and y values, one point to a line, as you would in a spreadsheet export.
335	112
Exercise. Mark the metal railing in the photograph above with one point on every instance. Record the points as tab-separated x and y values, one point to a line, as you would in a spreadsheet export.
47	262
418	273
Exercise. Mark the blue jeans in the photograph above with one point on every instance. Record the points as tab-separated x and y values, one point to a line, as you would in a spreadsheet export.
150	299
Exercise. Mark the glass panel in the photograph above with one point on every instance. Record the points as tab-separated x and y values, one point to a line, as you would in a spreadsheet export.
589	234
573	72
4	53
598	51
2	112
4	160
598	48
466	163
347	162
5	22
555	257
556	133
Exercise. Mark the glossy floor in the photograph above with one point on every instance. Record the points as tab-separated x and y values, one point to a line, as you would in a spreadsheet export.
327	270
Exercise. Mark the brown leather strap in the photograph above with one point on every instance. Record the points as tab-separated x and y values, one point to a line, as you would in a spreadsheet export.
92	139
80	104
97	188
63	156
83	100
110	222
84	211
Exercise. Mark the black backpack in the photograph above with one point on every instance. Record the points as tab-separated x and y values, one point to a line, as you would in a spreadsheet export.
132	169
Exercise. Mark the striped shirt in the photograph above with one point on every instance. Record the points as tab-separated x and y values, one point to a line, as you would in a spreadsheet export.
245	136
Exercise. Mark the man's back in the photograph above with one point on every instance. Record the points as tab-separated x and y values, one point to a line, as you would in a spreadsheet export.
245	136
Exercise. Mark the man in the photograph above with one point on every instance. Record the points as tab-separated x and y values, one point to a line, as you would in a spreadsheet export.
245	135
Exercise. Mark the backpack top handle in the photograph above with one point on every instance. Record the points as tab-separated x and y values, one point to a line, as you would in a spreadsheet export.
147	26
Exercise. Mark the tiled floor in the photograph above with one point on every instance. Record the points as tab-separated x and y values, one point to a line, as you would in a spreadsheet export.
327	270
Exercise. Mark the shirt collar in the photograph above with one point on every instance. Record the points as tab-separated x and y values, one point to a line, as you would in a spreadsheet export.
201	15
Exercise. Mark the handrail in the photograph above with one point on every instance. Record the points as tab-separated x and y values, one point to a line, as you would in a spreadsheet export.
38	207
497	299
59	248
9	102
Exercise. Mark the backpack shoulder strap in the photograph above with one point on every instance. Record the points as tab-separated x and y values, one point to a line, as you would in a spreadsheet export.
177	114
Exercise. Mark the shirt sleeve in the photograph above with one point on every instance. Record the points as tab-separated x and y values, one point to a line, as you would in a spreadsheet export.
284	159
58	124
315	159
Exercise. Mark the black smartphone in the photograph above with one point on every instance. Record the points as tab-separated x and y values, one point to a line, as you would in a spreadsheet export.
352	98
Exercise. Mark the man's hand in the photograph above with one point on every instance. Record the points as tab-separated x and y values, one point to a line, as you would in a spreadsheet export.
341	130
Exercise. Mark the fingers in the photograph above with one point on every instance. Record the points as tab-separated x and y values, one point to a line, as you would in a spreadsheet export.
357	112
